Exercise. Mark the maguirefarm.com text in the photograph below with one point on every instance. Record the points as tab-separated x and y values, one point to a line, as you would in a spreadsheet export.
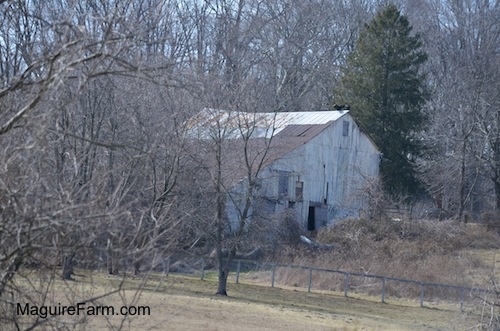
81	308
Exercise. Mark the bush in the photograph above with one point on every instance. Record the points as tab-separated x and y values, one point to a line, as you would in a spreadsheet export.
432	251
491	221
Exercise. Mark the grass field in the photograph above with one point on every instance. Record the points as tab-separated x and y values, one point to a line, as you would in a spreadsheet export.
254	307
184	303
177	302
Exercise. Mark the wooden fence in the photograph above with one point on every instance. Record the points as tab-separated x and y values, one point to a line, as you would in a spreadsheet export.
347	277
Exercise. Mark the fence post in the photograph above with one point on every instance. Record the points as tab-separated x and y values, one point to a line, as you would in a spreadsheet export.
167	270
238	272
422	295
202	268
310	281
272	275
383	290
346	283
461	300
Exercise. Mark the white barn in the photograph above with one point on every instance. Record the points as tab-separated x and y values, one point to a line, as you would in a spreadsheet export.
317	163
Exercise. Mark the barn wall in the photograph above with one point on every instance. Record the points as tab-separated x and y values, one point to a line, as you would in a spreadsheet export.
333	168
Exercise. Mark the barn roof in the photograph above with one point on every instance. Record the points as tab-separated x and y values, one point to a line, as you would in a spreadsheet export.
233	125
288	131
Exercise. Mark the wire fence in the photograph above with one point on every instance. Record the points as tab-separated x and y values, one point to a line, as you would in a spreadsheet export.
321	279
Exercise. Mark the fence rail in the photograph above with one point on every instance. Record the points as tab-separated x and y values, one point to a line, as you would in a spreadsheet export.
237	265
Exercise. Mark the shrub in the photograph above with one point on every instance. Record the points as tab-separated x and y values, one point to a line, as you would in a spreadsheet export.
432	251
491	221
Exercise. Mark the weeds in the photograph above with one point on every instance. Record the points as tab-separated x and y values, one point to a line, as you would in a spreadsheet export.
427	251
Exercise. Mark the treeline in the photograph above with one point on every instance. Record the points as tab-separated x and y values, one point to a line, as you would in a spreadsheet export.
94	96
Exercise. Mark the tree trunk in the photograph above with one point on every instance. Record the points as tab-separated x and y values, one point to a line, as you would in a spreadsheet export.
109	258
462	181
224	265
137	268
68	266
497	191
496	168
223	270
222	287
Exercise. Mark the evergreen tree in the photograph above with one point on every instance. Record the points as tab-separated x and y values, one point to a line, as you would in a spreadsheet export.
386	91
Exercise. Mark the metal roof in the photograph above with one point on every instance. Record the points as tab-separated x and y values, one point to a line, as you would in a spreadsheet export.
259	125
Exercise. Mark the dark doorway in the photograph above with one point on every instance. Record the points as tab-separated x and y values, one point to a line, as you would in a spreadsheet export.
311	219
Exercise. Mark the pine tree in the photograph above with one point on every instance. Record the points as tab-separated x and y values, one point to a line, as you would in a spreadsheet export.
386	91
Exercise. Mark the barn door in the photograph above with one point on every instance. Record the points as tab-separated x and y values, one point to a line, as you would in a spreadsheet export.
311	219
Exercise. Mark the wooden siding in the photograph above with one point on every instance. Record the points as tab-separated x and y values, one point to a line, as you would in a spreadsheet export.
333	168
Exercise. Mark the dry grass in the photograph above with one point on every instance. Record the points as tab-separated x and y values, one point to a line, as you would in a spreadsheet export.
490	262
436	252
180	303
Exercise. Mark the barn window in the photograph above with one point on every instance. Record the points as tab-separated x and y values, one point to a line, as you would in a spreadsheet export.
345	131
283	183
299	190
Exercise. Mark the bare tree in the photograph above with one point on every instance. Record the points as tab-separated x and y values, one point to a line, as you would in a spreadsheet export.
462	42
231	156
304	46
83	175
